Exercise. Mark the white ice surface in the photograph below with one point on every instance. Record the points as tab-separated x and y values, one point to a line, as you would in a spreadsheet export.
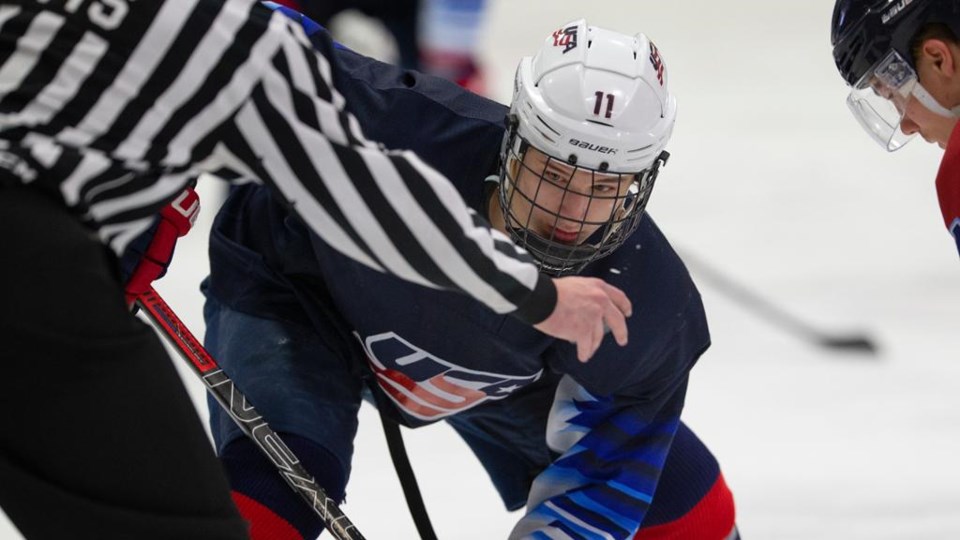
772	182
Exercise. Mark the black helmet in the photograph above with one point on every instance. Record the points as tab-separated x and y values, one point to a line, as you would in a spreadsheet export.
864	31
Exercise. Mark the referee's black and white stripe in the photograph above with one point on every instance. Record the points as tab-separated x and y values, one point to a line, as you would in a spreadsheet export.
116	105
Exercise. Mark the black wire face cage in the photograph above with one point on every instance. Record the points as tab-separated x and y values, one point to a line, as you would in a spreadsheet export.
567	216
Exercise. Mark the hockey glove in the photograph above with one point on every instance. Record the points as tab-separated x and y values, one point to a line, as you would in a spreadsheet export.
175	220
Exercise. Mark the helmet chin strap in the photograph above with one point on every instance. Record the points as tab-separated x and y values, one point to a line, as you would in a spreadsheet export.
931	103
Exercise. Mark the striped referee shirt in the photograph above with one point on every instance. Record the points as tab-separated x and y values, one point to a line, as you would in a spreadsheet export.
114	106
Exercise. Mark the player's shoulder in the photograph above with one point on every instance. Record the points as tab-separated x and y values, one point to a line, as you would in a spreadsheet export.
453	130
647	267
668	328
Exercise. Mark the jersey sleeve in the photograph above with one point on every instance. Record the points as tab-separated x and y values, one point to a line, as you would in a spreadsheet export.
611	450
614	418
385	209
948	186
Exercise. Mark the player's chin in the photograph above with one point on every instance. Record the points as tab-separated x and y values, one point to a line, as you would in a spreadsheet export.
933	139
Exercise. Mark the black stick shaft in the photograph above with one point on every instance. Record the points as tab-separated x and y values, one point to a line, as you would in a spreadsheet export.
776	315
243	413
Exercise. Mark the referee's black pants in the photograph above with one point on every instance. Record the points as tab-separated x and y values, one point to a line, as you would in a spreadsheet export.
98	438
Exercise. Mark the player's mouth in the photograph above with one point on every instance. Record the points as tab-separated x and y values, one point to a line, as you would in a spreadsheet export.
564	237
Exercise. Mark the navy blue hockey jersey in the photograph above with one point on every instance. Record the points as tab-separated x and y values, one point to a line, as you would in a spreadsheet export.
435	353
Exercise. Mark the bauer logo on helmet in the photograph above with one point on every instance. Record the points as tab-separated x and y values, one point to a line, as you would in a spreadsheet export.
593	147
895	10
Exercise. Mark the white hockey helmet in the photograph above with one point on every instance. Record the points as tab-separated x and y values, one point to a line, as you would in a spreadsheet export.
591	101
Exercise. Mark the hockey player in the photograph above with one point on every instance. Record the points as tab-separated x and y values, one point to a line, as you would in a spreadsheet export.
108	110
437	37
449	41
593	450
902	60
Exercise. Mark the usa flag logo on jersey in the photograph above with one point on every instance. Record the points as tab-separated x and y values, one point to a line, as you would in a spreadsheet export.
430	388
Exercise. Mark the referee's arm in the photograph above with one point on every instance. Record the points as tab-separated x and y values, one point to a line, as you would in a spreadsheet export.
386	209
391	211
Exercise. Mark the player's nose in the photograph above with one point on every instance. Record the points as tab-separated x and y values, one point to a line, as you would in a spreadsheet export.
575	203
908	126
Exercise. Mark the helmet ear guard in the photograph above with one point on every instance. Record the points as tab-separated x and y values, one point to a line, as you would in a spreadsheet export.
594	106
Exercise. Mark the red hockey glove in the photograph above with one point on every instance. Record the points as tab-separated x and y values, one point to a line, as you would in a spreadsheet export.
176	219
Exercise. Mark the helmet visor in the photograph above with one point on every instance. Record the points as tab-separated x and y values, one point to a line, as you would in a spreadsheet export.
878	100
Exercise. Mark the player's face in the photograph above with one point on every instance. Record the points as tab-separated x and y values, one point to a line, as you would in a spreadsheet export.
564	203
942	84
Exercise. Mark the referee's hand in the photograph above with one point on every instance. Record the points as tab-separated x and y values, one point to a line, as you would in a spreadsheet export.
585	308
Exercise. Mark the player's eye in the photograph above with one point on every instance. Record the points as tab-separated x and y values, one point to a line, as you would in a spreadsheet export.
553	176
605	189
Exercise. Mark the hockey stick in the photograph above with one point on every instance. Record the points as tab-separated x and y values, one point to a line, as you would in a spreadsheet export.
246	417
843	342
408	479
